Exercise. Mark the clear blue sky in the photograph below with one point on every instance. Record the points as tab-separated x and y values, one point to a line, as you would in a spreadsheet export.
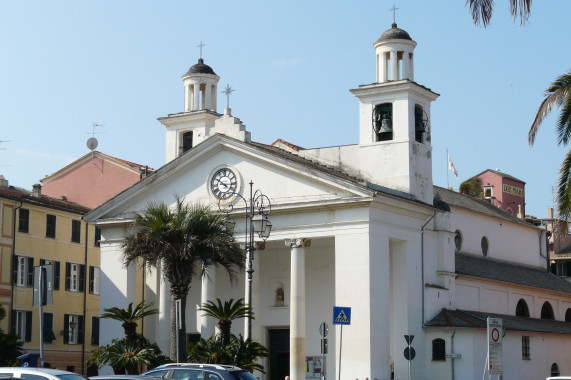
68	64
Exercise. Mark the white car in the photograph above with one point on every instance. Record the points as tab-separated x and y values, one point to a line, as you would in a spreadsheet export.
30	373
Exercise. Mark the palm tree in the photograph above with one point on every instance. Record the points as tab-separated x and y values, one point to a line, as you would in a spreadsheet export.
482	10
226	314
182	242
558	94
130	317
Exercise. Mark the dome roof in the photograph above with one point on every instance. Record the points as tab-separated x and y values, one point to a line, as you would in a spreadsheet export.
394	33
200	68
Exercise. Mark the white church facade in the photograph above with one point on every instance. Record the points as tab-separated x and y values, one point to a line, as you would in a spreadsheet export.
359	226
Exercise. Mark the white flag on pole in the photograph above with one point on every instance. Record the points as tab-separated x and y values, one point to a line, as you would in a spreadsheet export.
451	166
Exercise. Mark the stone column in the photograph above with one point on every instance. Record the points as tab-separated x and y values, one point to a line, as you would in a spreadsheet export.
383	74
394	65
208	97
187	98
208	293
214	97
405	65
297	308
196	97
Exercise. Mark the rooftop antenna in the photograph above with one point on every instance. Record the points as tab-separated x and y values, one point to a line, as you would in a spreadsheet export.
92	141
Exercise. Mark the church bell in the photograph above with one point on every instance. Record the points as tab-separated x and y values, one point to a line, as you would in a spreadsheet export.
386	124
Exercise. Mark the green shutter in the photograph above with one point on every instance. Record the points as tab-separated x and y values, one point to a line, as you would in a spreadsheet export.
15	269
30	271
48	332
67	275
13	322
56	275
66	328
95	330
81	328
81	278
91	270
42	262
28	337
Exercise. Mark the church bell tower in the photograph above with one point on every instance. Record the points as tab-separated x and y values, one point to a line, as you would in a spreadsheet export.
394	120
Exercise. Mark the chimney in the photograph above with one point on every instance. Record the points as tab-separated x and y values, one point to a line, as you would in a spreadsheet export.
3	181
37	190
550	213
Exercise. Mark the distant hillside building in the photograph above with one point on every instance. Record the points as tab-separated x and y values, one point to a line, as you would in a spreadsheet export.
504	191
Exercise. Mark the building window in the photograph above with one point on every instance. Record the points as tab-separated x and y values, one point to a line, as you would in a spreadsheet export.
438	349
547	311
24	221
383	122
48	329
562	268
97	241
76	231
50	226
521	310
488	192
95	330
420	123
73	329
74	277
24	271
568	315
485	246
94	274
56	271
525	348
458	240
186	141
22	324
555	370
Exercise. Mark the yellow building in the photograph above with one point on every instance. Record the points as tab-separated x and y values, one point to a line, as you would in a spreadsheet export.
39	230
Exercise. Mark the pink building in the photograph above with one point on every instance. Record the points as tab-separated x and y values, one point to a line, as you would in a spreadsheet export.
93	179
504	191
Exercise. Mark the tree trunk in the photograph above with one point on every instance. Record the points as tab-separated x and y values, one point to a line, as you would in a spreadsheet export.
178	335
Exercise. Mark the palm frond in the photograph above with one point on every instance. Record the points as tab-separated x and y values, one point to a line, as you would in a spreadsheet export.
481	10
564	195
558	94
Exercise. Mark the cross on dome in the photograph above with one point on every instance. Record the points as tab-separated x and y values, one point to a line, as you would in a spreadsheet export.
394	10
200	46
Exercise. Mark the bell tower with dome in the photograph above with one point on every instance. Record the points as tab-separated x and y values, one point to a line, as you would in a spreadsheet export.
186	129
394	120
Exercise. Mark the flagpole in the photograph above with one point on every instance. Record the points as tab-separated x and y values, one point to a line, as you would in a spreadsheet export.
447	170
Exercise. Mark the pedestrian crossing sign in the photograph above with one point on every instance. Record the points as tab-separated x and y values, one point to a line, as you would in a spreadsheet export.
341	315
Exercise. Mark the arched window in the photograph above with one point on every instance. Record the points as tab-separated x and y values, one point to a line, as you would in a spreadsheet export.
521	310
438	349
555	370
383	121
186	141
568	315
485	246
547	311
458	240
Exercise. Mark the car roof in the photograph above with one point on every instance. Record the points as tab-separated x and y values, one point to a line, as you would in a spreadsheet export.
225	367
117	377
49	371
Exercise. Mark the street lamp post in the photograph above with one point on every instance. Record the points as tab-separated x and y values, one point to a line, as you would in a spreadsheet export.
257	209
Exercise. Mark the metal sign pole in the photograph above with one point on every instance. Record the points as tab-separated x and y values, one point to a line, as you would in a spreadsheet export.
41	301
340	349
410	360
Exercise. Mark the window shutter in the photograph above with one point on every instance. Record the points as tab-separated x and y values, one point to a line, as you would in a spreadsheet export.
13	323
28	337
66	328
553	268
56	275
49	335
67	275
30	271
91	275
15	268
81	278
81	329
42	262
95	330
568	264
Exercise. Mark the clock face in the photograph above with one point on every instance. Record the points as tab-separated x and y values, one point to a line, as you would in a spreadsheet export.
223	183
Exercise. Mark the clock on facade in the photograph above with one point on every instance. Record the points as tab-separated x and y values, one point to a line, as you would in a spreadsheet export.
223	183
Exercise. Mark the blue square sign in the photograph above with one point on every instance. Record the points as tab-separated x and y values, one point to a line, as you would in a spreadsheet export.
341	315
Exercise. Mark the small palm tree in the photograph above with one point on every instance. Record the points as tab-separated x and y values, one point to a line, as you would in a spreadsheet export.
130	317
180	242
226	314
127	355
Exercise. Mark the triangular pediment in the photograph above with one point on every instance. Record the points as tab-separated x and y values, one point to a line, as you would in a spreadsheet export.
285	178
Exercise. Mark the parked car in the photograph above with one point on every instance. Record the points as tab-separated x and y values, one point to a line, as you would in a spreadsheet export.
119	377
30	373
192	371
